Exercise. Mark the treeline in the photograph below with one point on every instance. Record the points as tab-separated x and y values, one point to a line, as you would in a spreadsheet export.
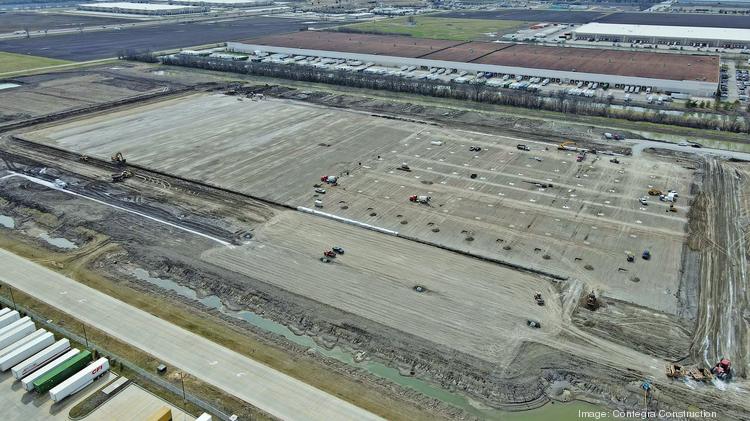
560	101
138	55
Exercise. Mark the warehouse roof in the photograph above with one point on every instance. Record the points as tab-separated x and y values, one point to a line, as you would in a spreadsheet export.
132	6
721	34
233	2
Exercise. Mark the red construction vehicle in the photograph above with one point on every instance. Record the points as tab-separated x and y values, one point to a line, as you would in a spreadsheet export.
330	179
420	199
329	253
723	370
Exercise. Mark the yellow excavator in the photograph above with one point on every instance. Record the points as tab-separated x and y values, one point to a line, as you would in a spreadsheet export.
565	146
118	158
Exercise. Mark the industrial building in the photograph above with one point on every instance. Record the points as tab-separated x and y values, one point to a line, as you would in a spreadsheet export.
696	75
222	3
147	9
665	35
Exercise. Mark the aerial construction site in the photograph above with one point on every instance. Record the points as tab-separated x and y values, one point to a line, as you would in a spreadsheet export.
455	263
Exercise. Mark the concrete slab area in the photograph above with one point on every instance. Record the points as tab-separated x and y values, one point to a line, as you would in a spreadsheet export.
134	404
582	228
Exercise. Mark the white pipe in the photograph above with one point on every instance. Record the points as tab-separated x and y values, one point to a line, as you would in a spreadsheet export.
347	221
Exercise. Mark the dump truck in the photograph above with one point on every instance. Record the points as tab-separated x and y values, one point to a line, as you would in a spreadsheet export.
56	376
28	382
79	380
38	360
21	353
420	199
17	334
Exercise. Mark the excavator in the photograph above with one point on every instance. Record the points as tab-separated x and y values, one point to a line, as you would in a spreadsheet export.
118	158
566	146
121	176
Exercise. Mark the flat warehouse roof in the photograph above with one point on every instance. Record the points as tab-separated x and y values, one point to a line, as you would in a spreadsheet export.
611	62
658	31
400	46
703	68
132	6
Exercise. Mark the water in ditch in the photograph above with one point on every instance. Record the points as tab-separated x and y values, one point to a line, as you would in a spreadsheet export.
7	221
559	411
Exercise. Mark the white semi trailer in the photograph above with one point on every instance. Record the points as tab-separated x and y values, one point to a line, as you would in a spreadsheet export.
4	311
17	334
8	318
16	356
79	380
10	326
22	342
37	360
28	381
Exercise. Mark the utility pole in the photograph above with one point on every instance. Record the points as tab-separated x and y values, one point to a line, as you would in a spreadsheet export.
85	336
184	399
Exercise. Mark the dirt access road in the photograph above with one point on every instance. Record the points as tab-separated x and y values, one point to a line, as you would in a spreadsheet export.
257	384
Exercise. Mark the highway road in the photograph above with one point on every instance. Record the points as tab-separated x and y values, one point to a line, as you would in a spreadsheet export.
253	382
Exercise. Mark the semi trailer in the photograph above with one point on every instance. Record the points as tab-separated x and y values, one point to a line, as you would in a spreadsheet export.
8	318
17	334
79	380
10	326
25	351
4	311
56	376
37	360
21	342
28	381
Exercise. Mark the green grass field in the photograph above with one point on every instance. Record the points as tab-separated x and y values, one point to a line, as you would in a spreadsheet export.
10	62
440	28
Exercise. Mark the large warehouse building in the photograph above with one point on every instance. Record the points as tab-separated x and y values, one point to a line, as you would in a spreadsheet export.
223	3
141	8
691	74
667	35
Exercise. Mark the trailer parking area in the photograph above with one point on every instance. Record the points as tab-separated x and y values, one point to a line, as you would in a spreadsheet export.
495	202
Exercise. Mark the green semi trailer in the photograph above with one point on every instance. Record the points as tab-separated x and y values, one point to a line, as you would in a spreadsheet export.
62	372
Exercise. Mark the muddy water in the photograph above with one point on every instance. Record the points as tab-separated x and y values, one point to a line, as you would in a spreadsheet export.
559	411
7	221
59	242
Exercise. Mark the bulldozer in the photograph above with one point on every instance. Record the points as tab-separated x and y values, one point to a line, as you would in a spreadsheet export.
566	146
84	158
118	158
121	176
655	192
591	302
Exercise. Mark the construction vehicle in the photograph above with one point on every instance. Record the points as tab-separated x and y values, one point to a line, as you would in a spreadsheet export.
404	167
646	255
83	158
655	192
672	208
566	146
538	298
420	199
522	147
329	253
614	161
117	177
533	324
671	196
723	370
330	179
591	302
631	258
338	249
475	148
674	371
118	158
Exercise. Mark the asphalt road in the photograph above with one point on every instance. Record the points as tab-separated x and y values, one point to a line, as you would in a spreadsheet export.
105	44
270	390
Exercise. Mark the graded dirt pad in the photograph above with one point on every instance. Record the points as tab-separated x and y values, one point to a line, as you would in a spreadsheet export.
624	63
388	45
581	228
12	21
471	306
106	44
51	93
